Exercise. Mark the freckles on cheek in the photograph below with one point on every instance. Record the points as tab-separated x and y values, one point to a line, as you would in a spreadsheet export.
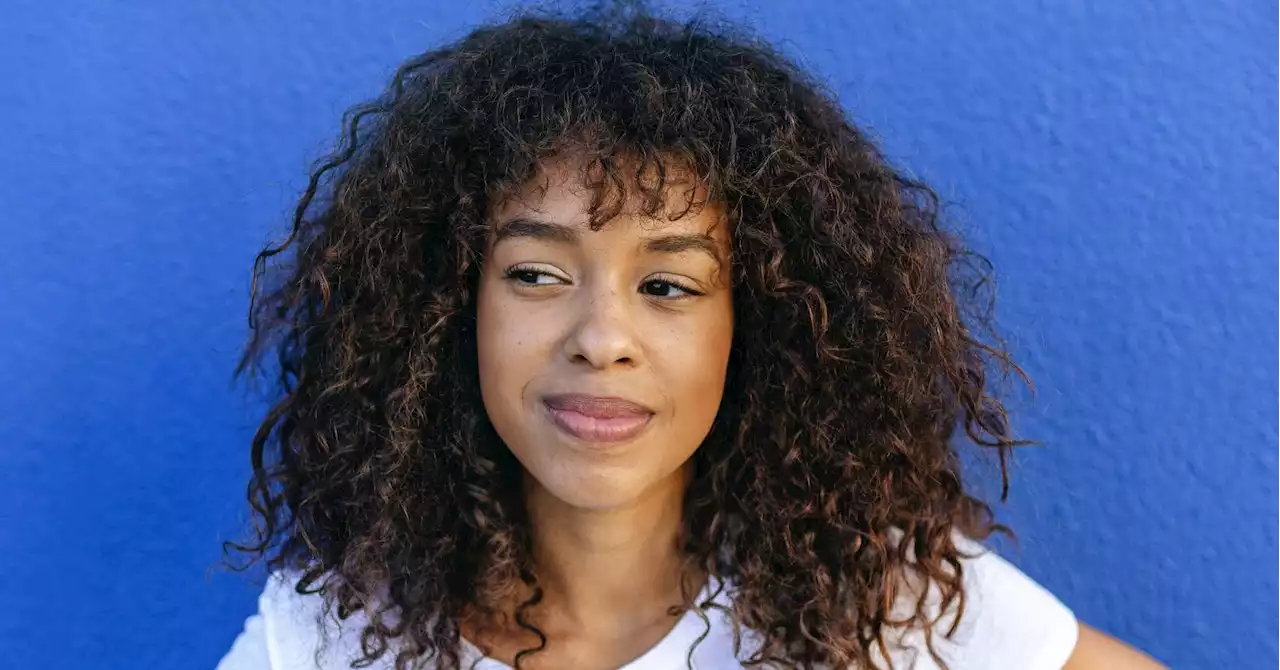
516	331
702	351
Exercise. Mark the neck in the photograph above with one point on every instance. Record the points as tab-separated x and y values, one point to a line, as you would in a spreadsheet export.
610	569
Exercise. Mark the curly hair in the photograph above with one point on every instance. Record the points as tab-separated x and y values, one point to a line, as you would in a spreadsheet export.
863	349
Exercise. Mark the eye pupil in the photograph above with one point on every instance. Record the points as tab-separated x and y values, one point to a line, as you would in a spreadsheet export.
527	276
657	288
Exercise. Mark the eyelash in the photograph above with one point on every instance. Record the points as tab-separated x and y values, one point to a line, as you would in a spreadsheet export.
678	285
514	274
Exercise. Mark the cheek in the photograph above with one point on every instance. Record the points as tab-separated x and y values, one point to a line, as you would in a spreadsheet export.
694	364
499	344
513	340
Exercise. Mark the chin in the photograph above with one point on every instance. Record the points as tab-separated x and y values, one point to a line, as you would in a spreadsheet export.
597	479
592	491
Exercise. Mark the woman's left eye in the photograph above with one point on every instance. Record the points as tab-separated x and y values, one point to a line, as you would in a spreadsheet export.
659	288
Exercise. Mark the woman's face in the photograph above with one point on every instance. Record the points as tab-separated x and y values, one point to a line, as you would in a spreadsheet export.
602	353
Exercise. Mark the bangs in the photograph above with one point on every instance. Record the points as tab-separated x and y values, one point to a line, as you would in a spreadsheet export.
618	181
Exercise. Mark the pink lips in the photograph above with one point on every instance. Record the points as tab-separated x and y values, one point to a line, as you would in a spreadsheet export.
597	419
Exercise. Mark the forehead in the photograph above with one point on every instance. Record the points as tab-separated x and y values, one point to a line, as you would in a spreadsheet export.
565	191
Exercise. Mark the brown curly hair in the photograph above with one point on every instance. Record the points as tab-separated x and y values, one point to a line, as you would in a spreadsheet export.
831	472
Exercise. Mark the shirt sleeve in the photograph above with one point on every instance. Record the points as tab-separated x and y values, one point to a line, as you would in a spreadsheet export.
1009	621
249	650
292	631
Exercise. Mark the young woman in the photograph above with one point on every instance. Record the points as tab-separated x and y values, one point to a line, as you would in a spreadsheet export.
614	343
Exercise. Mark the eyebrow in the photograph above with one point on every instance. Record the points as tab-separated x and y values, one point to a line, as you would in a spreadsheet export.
562	234
542	230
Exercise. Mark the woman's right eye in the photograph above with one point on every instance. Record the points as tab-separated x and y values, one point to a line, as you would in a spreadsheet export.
532	277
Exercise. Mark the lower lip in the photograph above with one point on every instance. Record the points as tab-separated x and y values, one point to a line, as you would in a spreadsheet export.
598	430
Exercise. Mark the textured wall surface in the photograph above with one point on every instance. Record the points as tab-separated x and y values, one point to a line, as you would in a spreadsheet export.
1116	160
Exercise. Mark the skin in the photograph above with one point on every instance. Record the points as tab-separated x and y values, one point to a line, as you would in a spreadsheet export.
639	310
1096	650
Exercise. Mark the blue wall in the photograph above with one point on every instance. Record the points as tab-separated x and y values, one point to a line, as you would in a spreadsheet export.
1116	159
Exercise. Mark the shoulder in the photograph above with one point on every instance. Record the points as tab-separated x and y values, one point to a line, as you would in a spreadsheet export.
1008	620
295	631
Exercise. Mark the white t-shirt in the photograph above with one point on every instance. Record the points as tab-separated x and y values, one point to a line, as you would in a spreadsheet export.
1010	623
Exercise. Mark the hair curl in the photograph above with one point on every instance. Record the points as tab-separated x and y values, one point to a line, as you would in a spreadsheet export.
855	359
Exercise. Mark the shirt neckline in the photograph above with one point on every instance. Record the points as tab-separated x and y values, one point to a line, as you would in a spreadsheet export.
675	645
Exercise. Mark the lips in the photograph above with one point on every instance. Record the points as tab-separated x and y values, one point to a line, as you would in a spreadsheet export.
597	419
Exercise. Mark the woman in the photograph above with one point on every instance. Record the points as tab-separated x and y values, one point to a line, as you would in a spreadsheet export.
615	344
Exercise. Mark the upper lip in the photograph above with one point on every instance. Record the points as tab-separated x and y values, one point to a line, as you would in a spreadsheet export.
600	407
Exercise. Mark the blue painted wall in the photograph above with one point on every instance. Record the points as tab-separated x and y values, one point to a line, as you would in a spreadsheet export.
1116	159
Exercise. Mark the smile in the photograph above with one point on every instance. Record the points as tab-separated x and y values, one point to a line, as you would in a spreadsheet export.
602	420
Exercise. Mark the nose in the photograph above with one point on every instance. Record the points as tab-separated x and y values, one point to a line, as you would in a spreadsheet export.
604	333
